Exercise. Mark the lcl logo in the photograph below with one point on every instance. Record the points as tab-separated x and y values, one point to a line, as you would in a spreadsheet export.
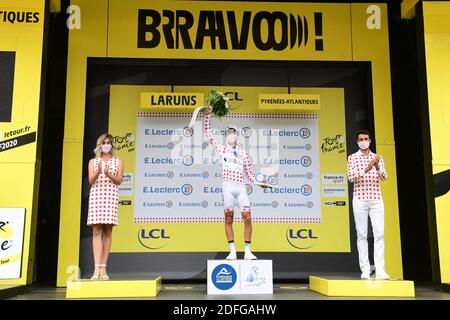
301	238
233	96
153	238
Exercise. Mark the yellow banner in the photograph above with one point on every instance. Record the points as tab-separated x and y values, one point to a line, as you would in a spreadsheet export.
331	235
21	17
229	30
21	49
437	33
289	101
170	100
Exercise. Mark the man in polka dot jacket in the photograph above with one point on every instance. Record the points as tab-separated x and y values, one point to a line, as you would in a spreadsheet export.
234	163
366	170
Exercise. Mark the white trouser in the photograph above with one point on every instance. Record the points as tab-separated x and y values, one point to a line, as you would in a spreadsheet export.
362	210
232	192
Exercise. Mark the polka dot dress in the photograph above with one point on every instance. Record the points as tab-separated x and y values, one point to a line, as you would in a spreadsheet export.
104	195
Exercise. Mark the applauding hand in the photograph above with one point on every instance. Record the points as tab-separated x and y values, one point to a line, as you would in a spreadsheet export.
376	161
106	171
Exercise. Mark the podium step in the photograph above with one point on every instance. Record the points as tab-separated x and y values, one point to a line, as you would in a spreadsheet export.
346	287
446	287
8	291
113	289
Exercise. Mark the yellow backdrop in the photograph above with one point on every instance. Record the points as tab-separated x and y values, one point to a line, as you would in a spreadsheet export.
437	35
333	232
109	29
20	167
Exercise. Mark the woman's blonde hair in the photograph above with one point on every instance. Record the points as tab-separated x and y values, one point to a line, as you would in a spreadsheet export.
98	148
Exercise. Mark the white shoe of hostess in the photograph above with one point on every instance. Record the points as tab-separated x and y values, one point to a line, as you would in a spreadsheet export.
381	275
249	256
232	255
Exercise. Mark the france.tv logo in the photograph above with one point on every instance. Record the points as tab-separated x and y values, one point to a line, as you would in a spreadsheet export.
224	277
187	189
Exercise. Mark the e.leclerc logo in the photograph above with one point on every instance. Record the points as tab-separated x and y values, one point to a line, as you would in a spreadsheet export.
305	133
305	161
187	189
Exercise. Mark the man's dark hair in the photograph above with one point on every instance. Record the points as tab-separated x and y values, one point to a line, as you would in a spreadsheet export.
363	131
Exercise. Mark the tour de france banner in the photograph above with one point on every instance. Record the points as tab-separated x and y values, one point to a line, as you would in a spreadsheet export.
171	197
171	165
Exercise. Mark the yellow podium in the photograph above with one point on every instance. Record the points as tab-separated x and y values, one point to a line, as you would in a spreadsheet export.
84	289
347	287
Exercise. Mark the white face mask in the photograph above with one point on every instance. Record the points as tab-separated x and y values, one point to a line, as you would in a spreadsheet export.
232	138
363	145
106	148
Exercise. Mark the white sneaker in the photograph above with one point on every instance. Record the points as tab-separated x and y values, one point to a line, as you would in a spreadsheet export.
365	275
249	256
232	255
381	275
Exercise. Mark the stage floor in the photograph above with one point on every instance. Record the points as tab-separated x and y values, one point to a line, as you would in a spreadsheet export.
198	292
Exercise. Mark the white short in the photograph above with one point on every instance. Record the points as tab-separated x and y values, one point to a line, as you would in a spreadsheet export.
232	192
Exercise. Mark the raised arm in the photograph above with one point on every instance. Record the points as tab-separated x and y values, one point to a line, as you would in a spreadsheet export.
210	136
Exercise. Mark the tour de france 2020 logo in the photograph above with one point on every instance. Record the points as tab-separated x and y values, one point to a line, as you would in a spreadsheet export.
224	277
335	143
6	243
125	142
